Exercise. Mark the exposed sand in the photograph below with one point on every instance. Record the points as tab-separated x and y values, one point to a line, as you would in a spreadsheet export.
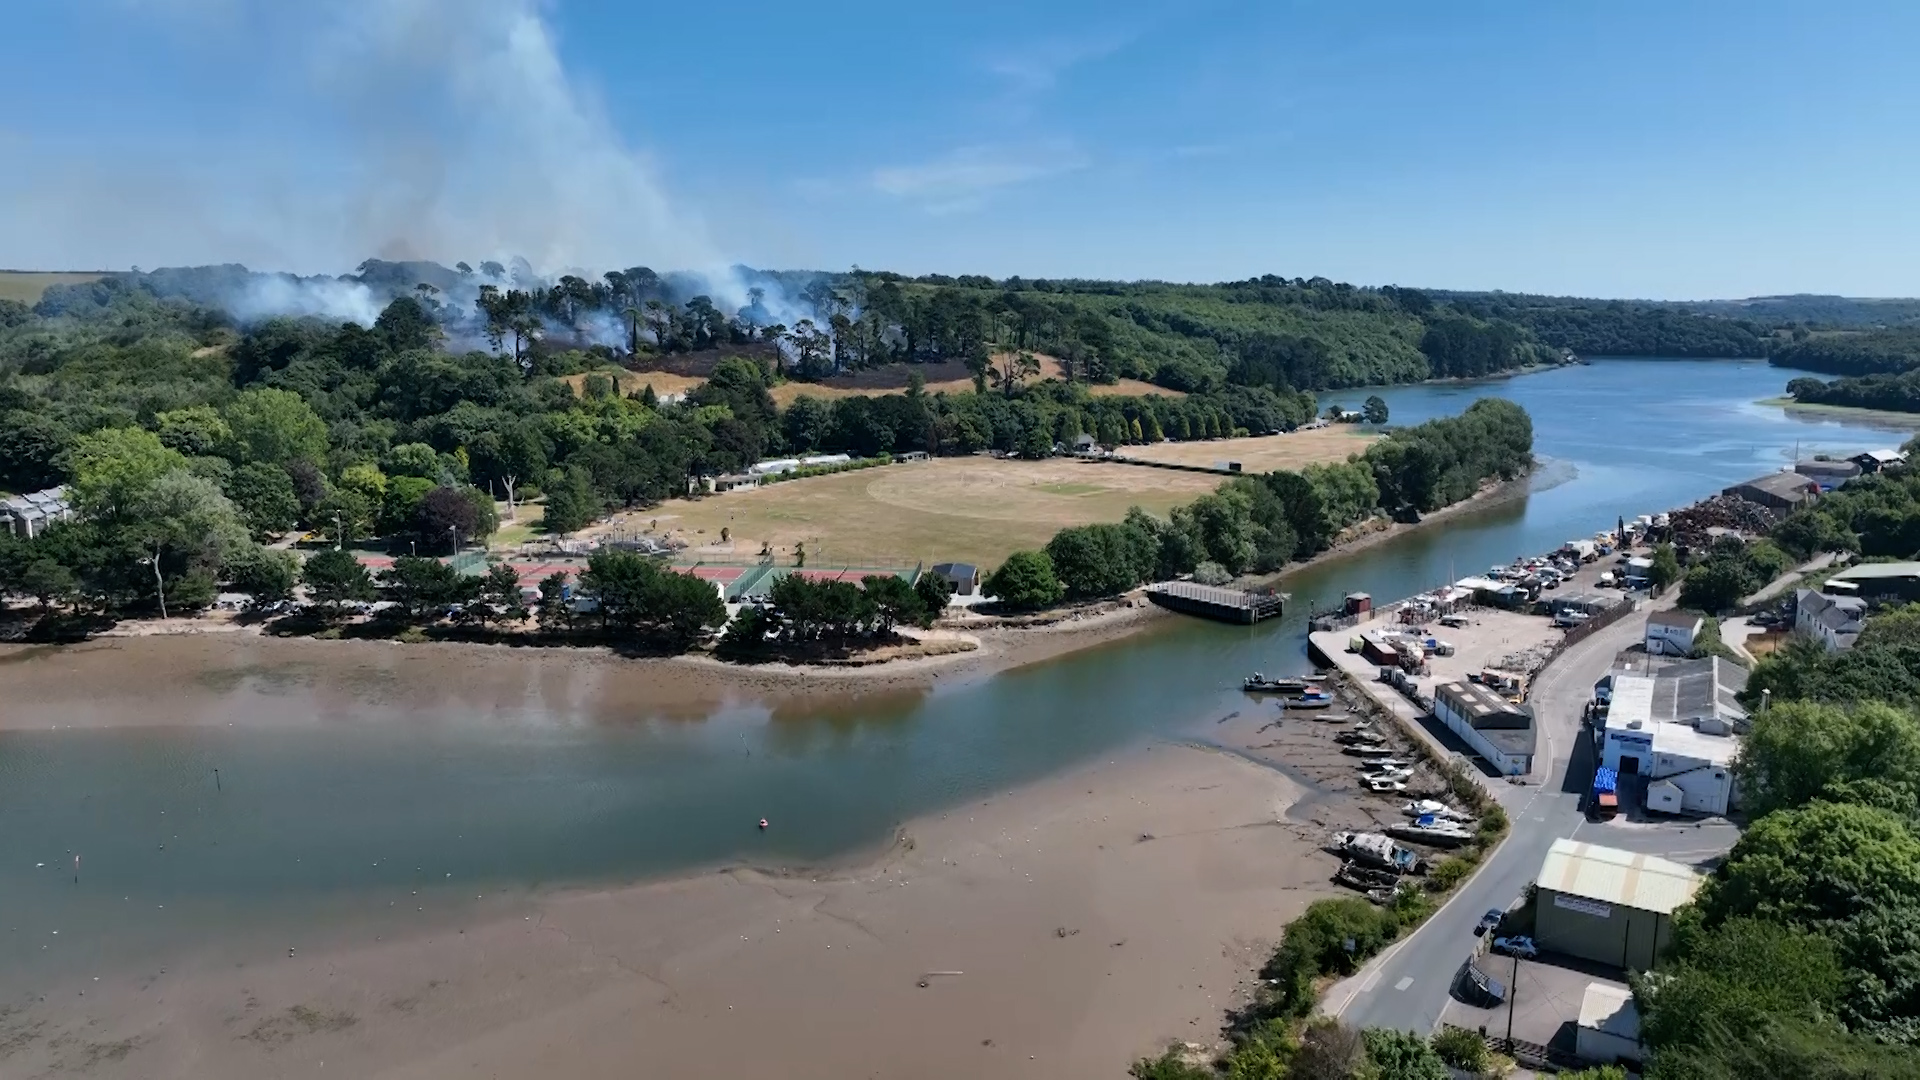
157	677
1077	943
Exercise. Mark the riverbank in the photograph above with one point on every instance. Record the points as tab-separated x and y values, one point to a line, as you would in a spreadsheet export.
1878	416
1059	930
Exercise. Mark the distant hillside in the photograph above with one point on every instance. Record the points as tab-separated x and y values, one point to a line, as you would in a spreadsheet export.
1280	333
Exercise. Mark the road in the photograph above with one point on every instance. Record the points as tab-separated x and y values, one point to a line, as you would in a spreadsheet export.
1407	987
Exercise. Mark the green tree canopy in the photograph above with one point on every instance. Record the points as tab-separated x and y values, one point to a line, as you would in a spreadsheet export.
1025	581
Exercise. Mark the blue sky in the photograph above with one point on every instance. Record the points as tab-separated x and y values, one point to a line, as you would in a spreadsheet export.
1617	149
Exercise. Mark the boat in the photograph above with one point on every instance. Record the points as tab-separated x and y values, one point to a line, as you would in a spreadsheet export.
1258	683
1357	736
1309	701
1431	831
1356	876
1374	849
1402	775
1385	784
1385	764
1373	751
1434	808
1382	897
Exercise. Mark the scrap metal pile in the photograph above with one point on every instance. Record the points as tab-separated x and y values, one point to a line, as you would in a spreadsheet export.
1690	524
1526	661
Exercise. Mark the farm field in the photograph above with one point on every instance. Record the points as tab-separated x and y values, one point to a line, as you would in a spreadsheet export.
26	286
967	509
677	374
1262	453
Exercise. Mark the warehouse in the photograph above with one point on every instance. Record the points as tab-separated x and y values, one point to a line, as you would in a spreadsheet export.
1497	729
1672	633
1781	490
1606	905
1682	748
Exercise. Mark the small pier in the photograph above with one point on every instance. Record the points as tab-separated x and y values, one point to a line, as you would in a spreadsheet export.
1214	602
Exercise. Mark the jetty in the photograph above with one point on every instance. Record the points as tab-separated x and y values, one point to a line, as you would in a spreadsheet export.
1215	602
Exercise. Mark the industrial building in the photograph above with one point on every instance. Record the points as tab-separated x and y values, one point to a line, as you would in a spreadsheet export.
1874	460
1684	748
1672	633
1500	731
1878	582
1781	490
1606	905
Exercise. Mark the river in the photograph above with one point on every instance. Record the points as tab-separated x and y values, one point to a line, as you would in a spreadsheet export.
325	820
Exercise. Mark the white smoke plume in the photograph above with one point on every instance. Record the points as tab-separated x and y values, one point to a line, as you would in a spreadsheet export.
464	138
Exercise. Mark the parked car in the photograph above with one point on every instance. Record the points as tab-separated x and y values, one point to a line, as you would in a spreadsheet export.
1520	946
1488	921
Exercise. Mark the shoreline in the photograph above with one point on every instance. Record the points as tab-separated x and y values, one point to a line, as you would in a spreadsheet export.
1059	929
1886	416
679	686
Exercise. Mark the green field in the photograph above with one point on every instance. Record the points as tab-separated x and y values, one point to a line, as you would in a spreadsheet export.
26	286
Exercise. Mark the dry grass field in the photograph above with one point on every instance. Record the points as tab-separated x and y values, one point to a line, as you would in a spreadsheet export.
677	373
27	285
967	509
1263	453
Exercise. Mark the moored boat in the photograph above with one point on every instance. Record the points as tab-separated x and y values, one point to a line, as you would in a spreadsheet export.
1258	683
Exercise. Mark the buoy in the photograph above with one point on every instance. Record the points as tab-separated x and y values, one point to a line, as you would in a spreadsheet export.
763	823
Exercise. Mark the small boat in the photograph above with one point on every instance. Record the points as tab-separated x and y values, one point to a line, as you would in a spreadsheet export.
1258	683
1356	876
1367	751
1388	774
1431	831
1358	738
1431	808
1385	764
763	824
1380	784
1308	701
1376	850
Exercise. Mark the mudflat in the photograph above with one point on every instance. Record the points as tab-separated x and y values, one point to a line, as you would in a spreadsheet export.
220	679
1059	930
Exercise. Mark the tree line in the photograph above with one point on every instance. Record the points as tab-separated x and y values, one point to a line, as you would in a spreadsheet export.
1258	524
1898	392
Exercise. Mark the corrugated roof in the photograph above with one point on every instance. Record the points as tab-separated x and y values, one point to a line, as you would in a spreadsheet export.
1674	617
1878	570
1612	876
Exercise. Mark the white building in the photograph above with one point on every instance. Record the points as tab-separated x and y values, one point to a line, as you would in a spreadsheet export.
1673	632
1497	729
29	515
1834	621
1609	1029
1688	768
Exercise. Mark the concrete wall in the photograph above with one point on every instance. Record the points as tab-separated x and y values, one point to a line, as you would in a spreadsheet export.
1604	933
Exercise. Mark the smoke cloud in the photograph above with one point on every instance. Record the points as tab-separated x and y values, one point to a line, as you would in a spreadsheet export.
451	131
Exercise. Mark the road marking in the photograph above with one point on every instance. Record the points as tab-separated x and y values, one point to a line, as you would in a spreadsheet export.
1404	982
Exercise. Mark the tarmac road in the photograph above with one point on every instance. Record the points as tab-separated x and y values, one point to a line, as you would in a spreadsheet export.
1407	986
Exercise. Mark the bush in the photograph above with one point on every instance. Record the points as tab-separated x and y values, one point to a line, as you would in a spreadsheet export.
1461	1048
1025	582
1452	871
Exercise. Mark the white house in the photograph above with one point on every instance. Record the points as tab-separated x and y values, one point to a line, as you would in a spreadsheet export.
1672	633
1834	621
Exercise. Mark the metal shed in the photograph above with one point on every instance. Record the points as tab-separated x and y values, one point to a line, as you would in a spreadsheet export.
1606	905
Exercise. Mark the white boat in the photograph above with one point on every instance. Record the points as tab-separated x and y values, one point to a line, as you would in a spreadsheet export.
1375	783
1385	763
1435	834
1389	774
1424	807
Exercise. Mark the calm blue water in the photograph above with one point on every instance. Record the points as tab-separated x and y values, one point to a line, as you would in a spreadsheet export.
335	819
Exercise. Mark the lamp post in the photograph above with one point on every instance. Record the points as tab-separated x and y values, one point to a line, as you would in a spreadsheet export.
453	532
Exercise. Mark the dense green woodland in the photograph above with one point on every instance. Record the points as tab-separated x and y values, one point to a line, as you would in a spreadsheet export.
189	441
1880	370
